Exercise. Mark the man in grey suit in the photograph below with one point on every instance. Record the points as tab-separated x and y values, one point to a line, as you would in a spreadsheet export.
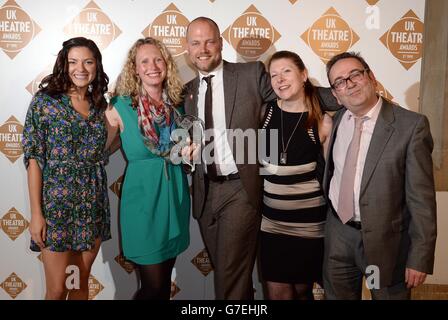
227	202
379	183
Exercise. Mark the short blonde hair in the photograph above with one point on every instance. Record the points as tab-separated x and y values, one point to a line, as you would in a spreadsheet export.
129	84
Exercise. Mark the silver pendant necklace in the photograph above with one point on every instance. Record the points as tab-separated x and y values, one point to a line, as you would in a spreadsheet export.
283	154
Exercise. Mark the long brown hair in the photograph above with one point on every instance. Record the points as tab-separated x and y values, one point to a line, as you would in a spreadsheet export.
59	81
311	99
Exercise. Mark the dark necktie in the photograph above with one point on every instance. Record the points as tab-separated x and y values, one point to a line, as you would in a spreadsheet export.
208	111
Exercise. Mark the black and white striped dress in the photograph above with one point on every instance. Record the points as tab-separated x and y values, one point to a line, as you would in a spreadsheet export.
294	208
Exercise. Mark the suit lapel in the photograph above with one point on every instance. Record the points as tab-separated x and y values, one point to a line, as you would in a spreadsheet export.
334	130
191	100
230	85
191	107
381	135
329	164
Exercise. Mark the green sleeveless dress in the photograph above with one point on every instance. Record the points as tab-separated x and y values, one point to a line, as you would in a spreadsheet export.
155	199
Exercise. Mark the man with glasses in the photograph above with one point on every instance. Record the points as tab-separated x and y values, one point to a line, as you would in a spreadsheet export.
379	184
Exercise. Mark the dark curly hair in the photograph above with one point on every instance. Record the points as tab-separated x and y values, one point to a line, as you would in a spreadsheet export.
59	81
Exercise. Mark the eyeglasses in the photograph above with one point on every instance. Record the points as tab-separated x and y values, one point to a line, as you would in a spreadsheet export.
355	77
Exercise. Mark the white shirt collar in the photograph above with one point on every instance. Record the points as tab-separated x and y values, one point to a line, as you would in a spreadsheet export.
372	114
217	72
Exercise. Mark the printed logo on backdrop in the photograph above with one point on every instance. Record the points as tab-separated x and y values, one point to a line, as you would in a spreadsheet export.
94	24
329	35
174	288
17	29
372	2
128	266
13	285
11	139
383	91
13	224
170	28
318	292
95	287
405	39
251	34
33	86
116	186
202	262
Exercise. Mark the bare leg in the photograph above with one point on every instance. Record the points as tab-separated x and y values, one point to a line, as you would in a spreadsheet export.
279	291
303	291
84	261
55	264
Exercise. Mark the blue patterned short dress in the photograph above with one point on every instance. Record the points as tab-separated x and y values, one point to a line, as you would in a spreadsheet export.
69	151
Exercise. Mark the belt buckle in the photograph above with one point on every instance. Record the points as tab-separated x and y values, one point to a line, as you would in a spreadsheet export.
355	224
221	179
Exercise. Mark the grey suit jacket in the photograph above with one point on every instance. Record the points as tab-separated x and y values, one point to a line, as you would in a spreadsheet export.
397	196
246	87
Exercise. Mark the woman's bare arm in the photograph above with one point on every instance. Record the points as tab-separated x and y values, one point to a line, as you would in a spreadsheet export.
113	124
38	226
325	127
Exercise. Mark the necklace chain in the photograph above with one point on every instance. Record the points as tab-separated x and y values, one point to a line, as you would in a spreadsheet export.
295	128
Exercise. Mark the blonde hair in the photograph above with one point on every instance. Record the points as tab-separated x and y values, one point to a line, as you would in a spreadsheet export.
129	84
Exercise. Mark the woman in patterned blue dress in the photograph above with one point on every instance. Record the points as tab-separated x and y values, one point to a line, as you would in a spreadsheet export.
63	142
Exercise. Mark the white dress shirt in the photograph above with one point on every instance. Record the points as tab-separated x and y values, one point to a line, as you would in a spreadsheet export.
343	138
225	164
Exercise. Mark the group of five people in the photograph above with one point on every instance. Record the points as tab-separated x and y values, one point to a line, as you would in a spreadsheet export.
333	199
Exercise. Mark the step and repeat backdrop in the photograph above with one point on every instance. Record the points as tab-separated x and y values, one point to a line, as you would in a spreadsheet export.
389	34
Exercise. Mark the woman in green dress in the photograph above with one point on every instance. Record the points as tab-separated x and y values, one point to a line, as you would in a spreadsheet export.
155	199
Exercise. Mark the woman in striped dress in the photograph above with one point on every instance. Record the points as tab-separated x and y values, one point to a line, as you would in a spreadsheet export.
294	208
